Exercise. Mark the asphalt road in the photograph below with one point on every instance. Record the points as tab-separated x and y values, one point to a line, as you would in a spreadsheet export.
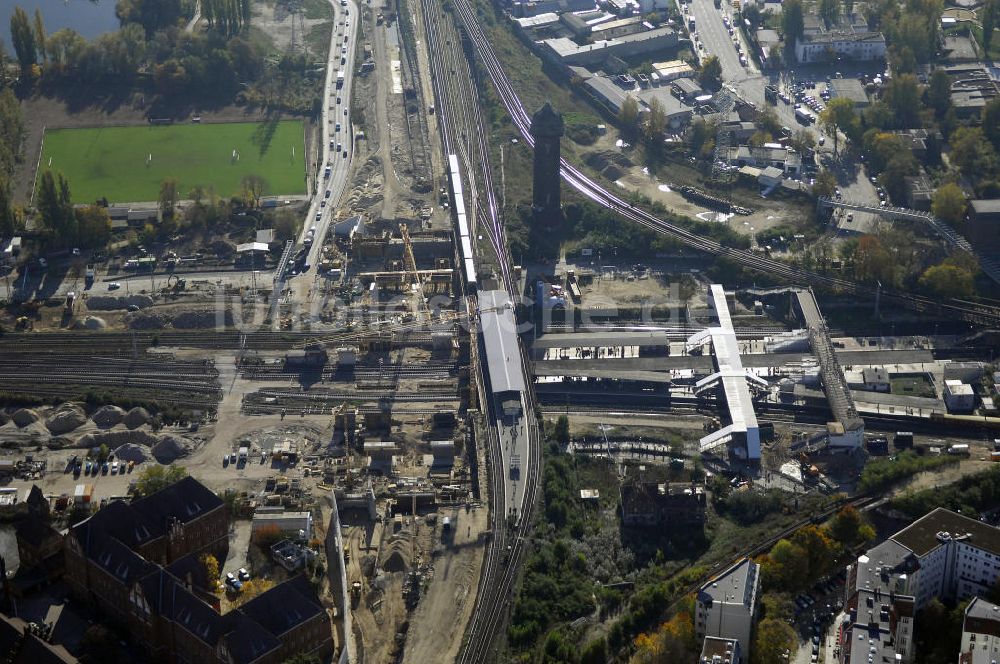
336	109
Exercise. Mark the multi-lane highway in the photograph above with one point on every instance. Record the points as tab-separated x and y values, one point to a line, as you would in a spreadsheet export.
337	139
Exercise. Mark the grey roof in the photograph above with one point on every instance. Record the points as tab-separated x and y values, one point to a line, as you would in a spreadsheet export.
284	606
499	327
986	206
849	88
921	536
735	585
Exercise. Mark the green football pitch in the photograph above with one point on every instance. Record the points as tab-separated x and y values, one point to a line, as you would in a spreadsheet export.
127	164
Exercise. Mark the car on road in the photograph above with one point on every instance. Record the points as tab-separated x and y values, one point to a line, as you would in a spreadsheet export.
114	285
337	127
822	140
339	100
343	50
345	154
327	194
43	263
133	308
322	203
319	215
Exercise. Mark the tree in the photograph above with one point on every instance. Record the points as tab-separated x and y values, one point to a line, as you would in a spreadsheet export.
7	220
991	121
839	116
22	38
56	208
802	141
595	652
786	567
989	20
903	97
872	261
829	10
767	121
93	226
251	589
949	204
849	527
39	29
155	477
821	551
252	188
302	658
710	75
825	185
628	118
938	92
775	57
560	432
971	152
792	20
168	197
774	638
656	124
947	280
211	565
674	641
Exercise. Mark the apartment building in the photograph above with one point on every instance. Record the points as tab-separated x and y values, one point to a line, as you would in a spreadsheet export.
980	633
943	554
140	564
725	607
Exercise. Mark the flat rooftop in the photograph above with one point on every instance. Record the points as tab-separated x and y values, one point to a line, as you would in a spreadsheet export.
921	536
499	327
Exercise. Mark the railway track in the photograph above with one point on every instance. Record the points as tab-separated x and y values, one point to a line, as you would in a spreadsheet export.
971	312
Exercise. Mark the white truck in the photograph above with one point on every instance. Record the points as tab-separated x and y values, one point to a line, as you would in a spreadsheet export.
340	79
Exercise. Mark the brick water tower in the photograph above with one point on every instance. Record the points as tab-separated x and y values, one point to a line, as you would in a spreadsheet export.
547	129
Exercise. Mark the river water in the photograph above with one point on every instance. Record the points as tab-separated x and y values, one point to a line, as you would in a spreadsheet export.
89	18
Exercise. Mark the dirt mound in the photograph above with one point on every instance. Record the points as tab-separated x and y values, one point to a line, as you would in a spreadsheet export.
394	563
170	448
107	416
115	439
202	319
144	321
136	417
107	302
90	323
24	417
66	417
610	164
130	452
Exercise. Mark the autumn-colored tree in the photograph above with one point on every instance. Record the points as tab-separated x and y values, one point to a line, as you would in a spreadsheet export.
849	527
821	551
674	641
251	589
786	567
267	536
872	262
211	565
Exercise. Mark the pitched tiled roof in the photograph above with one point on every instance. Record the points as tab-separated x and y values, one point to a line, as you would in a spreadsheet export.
286	605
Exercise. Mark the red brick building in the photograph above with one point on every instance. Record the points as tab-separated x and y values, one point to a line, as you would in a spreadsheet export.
140	563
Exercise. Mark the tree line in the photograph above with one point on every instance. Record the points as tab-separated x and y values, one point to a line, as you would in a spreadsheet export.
12	135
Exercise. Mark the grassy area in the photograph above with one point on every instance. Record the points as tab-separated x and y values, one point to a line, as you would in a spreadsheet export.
880	473
913	386
112	162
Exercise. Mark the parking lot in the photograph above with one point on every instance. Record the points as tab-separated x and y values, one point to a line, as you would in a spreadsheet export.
815	619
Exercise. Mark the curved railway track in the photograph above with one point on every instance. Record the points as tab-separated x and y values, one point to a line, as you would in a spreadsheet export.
971	312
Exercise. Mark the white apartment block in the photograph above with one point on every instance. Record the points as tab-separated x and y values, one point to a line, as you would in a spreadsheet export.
726	606
857	46
980	633
942	554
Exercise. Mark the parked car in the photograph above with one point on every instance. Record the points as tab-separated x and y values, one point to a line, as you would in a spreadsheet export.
243	574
